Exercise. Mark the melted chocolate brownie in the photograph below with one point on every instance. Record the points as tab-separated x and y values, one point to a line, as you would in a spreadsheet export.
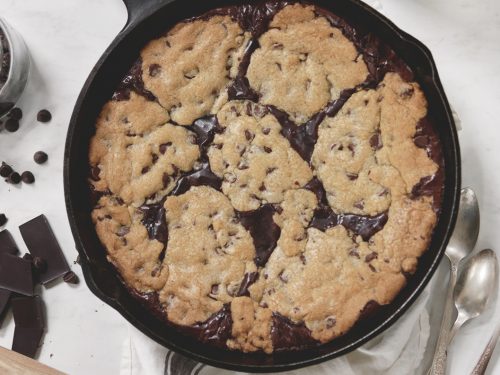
265	176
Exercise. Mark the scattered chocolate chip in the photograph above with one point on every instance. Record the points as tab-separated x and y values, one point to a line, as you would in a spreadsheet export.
27	177
40	157
70	278
16	113
39	264
268	149
164	146
14	178
5	170
3	220
44	116
11	125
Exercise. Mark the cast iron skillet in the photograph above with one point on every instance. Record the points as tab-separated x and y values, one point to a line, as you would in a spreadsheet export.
147	19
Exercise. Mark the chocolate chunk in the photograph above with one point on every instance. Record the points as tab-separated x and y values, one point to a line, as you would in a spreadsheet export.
7	243
248	280
155	222
133	82
4	303
3	220
70	278
11	125
5	170
288	335
16	113
30	323
40	157
15	274
42	243
215	330
44	116
264	231
14	178
27	177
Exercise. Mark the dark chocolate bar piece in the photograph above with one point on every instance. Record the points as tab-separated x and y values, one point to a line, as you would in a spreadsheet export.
30	324
16	274
4	303
42	243
27	340
7	243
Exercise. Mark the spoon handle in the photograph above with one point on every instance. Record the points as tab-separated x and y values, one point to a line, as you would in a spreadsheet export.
438	366
481	365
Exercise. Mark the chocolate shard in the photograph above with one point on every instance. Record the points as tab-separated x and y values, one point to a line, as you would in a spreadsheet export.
7	243
4	303
16	274
30	323
42	243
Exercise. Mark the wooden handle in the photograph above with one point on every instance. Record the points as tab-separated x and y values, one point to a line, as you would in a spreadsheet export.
12	363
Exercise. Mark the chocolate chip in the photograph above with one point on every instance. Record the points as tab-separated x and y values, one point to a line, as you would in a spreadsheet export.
40	264
14	178
270	170
359	205
351	148
266	131
354	253
268	149
283	277
3	220
248	135
352	176
40	157
27	177
262	187
372	268
214	289
375	141
154	158
164	146
16	113
154	69
70	278
44	116
145	170
302	259
371	256
11	125
5	170
421	141
192	139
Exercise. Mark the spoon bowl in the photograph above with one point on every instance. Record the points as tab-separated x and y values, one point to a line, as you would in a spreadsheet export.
466	228
476	287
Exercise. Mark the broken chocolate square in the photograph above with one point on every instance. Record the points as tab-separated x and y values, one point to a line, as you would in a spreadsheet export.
16	274
30	324
42	243
7	244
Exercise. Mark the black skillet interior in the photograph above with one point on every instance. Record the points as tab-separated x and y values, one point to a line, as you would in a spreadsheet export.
148	19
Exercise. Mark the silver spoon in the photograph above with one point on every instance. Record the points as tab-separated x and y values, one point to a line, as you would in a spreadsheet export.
481	365
476	287
461	244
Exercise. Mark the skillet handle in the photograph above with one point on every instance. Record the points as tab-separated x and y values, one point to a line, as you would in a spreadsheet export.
137	9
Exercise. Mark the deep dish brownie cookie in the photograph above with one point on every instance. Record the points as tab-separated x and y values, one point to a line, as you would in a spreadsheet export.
265	175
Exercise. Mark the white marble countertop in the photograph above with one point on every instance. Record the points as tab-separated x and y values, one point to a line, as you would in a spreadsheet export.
66	38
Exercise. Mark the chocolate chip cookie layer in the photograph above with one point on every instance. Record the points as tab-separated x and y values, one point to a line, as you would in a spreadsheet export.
265	175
